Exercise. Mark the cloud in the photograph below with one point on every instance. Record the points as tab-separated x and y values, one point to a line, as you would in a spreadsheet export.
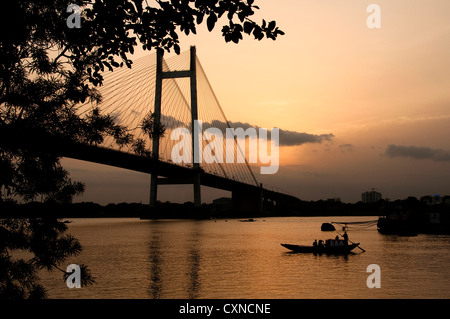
287	138
291	138
344	148
416	152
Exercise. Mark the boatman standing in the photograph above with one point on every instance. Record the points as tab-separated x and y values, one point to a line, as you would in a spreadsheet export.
345	238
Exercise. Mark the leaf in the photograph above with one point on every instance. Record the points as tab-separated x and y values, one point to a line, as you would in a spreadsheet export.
176	47
257	33
271	25
211	21
248	27
236	39
200	17
231	13
277	31
108	65
242	15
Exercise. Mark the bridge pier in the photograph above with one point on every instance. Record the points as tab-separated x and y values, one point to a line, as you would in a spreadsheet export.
197	191
157	113
153	189
195	180
160	75
196	144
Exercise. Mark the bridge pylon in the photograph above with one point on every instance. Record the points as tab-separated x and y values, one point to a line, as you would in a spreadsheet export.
160	76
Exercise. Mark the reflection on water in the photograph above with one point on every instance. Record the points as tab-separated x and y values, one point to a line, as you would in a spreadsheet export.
155	267
191	259
194	261
191	266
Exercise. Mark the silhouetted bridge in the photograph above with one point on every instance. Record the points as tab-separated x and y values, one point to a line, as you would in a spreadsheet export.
248	196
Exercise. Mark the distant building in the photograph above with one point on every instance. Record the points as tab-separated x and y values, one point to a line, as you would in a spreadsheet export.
371	197
447	200
223	204
433	200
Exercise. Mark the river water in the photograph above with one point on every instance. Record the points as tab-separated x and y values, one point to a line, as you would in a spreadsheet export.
229	259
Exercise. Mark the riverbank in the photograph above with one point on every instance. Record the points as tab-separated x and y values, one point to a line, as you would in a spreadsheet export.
185	210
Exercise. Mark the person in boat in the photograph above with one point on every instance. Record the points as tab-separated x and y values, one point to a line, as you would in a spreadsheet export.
345	238
320	243
315	243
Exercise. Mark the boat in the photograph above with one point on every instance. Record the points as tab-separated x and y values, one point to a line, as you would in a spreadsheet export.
388	226
248	220
327	227
327	248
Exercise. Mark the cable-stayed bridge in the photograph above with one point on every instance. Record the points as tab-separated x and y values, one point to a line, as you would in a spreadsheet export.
176	91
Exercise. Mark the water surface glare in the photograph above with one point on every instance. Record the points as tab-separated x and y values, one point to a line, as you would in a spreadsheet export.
222	259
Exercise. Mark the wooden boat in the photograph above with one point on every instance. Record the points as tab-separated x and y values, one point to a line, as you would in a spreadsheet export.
326	249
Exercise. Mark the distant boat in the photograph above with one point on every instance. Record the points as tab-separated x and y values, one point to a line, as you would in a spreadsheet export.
387	226
248	220
327	248
327	227
67	222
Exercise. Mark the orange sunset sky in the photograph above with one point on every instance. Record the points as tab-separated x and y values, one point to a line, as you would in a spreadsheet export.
383	94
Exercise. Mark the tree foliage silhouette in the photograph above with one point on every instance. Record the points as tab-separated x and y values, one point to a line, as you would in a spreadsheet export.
47	69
